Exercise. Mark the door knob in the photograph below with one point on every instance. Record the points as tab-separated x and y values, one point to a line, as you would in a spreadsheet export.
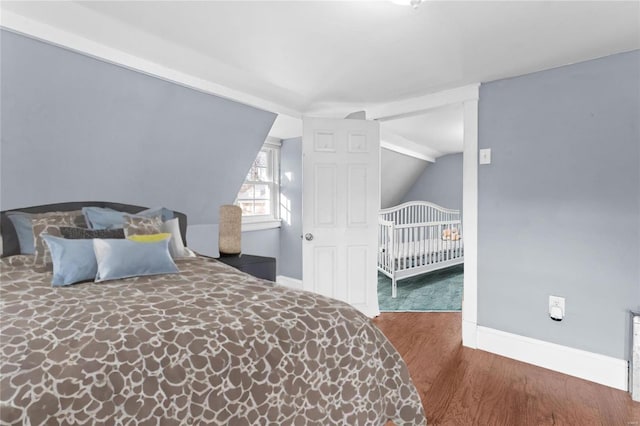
308	237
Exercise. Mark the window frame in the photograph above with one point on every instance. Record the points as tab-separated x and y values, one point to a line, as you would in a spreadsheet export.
271	220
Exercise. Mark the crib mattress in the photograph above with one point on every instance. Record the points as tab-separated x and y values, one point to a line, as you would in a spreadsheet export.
428	247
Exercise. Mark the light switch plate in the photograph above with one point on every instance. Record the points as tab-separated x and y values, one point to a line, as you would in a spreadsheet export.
485	156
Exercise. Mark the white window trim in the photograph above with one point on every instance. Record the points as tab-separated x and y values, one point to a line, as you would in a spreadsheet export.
259	223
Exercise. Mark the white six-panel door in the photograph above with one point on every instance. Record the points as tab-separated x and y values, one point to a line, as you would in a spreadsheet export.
341	199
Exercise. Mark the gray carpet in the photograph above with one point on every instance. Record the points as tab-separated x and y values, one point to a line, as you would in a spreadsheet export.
434	291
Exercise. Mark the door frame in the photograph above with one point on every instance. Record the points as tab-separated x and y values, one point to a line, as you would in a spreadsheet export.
468	96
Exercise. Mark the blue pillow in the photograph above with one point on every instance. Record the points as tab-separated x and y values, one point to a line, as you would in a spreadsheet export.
125	258
24	229
103	218
73	260
164	213
106	218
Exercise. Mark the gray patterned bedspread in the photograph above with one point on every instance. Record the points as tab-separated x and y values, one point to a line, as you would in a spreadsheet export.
210	345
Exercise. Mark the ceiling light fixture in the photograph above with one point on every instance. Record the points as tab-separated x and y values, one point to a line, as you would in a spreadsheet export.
413	3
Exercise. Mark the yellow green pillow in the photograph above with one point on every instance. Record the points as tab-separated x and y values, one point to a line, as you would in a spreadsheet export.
151	238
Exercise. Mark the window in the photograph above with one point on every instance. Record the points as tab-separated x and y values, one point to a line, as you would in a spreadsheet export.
259	194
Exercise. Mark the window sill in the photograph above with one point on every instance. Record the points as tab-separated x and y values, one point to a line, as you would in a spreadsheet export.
260	225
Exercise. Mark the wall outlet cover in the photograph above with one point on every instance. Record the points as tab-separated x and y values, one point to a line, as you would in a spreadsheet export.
556	308
485	156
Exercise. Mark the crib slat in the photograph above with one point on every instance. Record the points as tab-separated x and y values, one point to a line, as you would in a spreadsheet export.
422	245
405	246
430	242
410	238
413	248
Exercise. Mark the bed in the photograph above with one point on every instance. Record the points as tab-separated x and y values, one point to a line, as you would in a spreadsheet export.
208	345
418	237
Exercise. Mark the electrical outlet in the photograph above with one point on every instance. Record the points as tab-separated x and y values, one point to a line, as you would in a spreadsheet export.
556	308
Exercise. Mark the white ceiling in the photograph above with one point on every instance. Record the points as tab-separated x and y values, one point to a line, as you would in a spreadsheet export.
436	132
424	136
305	57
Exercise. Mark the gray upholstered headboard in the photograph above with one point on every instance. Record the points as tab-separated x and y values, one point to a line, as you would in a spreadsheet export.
10	245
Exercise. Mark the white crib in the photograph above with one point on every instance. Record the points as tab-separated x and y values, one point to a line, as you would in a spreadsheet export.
416	237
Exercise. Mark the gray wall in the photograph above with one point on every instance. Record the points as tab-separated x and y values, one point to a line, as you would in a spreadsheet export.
76	128
263	243
204	240
397	173
559	206
284	243
440	183
291	208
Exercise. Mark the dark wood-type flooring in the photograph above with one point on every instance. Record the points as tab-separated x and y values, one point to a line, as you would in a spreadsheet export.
462	386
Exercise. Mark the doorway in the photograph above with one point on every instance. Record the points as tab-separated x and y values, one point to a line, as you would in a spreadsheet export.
421	193
467	97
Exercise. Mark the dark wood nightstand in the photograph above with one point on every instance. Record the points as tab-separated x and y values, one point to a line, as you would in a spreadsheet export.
258	266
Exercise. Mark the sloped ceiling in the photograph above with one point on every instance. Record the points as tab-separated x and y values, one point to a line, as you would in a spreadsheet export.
429	135
426	135
440	130
398	173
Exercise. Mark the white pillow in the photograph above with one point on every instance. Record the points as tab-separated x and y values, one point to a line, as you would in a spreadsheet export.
176	246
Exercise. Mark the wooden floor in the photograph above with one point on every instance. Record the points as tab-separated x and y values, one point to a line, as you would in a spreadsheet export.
461	386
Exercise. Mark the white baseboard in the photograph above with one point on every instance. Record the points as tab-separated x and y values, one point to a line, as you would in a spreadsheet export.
608	371
289	282
469	334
